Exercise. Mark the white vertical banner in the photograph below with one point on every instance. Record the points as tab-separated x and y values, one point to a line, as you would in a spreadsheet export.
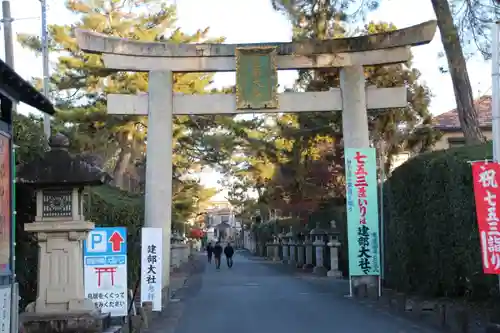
151	266
5	305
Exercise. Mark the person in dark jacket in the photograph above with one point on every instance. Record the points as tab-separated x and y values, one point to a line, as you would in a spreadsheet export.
217	254
210	251
229	252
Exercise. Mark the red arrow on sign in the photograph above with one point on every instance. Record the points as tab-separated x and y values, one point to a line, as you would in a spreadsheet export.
116	241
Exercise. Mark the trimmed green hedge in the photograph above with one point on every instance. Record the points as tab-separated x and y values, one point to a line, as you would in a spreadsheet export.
431	237
108	206
26	246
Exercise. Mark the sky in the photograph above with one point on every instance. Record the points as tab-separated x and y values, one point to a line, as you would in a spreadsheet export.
247	21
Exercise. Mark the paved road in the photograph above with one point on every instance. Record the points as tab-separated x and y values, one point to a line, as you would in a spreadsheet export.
255	298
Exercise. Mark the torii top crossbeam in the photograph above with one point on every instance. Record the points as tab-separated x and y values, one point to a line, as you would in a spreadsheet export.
381	48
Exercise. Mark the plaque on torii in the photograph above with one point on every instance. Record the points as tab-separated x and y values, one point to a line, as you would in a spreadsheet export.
256	78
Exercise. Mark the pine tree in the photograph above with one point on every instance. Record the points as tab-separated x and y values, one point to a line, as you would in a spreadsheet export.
80	84
304	151
473	17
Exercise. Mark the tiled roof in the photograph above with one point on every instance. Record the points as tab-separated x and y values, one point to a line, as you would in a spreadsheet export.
449	120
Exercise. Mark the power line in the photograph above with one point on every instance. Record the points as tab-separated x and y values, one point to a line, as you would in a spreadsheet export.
7	35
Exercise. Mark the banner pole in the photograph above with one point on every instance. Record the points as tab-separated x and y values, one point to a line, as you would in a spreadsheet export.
495	97
381	222
350	286
14	288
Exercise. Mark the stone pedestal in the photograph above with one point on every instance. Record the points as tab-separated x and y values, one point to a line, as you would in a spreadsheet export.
250	246
61	305
300	255
267	250
276	256
179	254
291	260
365	286
334	259
319	269
309	254
67	323
60	267
285	252
175	258
261	249
186	254
270	251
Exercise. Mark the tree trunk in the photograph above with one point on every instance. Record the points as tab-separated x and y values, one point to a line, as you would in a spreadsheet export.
121	166
467	113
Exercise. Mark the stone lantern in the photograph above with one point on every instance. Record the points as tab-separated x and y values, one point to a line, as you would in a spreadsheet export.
251	243
59	179
286	253
270	248
281	240
276	248
334	245
300	250
292	248
176	246
318	237
308	245
176	238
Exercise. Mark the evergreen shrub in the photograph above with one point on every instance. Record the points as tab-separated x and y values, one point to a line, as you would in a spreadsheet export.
431	237
108	206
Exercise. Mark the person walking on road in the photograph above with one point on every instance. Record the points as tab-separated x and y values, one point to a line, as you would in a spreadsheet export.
229	252
217	254
210	251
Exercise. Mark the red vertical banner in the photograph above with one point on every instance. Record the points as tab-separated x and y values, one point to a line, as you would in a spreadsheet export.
5	204
486	176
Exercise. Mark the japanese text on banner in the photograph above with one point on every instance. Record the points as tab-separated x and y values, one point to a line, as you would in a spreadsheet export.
487	195
5	308
151	271
109	300
151	266
5	203
362	211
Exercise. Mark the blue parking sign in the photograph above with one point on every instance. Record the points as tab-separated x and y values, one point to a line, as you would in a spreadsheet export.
106	241
105	269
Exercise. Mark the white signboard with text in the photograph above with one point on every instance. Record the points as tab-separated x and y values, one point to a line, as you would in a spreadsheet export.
151	266
105	269
5	297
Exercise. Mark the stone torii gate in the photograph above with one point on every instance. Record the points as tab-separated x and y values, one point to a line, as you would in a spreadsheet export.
256	90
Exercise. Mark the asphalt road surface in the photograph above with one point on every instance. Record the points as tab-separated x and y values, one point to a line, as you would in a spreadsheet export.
253	297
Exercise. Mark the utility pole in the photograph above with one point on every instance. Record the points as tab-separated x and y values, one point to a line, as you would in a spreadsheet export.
7	33
46	74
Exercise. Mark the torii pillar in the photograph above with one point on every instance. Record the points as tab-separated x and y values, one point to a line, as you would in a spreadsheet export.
160	104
